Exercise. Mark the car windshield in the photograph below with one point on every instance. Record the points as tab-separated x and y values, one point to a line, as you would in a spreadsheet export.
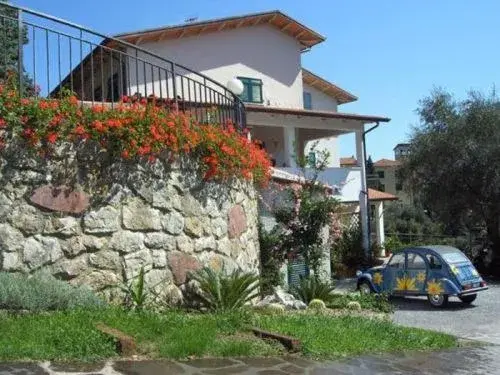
454	257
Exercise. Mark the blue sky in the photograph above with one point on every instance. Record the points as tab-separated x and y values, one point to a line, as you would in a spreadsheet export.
389	53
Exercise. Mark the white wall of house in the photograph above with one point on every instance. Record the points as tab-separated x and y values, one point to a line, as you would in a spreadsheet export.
347	180
261	52
322	102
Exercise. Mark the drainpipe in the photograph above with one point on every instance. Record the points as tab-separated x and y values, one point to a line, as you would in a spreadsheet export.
366	192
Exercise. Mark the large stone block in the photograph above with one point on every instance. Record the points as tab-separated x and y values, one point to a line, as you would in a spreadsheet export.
60	199
191	206
157	279
40	251
27	219
237	221
68	269
224	246
64	226
138	216
181	265
73	246
104	220
219	227
11	262
212	208
99	280
173	222
160	241
135	261
204	244
127	242
107	259
185	244
93	243
11	239
194	226
159	258
167	198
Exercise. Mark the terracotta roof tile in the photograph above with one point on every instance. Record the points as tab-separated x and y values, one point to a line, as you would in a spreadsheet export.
386	163
376	195
349	161
342	96
286	24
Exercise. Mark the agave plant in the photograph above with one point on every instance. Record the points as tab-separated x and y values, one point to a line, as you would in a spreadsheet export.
136	292
220	292
311	288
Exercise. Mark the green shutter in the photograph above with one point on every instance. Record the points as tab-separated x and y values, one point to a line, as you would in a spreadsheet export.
297	269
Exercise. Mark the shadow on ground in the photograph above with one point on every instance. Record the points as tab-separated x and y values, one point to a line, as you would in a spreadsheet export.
421	304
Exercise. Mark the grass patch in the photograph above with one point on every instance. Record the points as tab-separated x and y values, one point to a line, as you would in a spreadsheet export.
329	337
71	335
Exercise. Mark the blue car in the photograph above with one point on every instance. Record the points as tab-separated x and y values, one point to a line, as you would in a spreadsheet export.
433	271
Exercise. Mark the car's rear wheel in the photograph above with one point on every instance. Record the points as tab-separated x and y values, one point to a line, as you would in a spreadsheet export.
438	300
468	299
365	287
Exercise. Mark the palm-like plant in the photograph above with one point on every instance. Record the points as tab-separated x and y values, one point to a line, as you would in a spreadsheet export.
311	288
136	293
220	292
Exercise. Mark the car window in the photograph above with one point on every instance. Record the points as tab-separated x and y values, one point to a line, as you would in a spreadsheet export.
434	262
455	257
397	261
416	262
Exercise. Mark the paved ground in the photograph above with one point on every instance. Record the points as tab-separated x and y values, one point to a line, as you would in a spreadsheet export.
468	361
478	321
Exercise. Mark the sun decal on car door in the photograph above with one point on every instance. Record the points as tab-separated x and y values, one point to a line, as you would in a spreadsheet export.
405	283
434	287
378	279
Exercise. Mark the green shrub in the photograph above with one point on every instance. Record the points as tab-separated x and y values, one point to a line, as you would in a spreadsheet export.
271	259
219	292
354	306
311	288
273	309
375	302
43	292
316	304
348	250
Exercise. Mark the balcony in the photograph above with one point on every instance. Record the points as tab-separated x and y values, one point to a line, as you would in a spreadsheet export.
51	56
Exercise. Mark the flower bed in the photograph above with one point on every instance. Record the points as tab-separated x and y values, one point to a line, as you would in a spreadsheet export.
132	129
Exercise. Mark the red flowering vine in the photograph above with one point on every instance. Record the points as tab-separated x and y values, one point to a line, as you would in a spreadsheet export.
131	129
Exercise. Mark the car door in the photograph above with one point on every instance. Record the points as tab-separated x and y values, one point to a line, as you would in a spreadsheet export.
416	273
395	270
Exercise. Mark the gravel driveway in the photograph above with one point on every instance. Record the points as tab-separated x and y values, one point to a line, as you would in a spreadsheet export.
479	321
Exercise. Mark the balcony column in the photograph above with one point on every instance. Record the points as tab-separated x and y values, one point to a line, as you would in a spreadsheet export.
379	224
289	145
363	193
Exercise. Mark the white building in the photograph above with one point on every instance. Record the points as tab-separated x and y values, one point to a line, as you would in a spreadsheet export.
287	106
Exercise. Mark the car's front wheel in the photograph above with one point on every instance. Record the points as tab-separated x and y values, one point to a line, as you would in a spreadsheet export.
438	300
365	287
468	299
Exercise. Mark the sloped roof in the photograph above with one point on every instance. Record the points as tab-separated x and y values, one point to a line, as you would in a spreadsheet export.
351	160
377	195
315	113
342	96
286	24
386	163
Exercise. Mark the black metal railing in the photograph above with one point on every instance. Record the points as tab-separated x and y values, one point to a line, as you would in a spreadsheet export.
51	55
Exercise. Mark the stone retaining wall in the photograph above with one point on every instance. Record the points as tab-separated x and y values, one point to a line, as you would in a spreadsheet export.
89	221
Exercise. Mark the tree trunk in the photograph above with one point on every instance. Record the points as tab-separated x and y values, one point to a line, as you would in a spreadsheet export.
494	237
